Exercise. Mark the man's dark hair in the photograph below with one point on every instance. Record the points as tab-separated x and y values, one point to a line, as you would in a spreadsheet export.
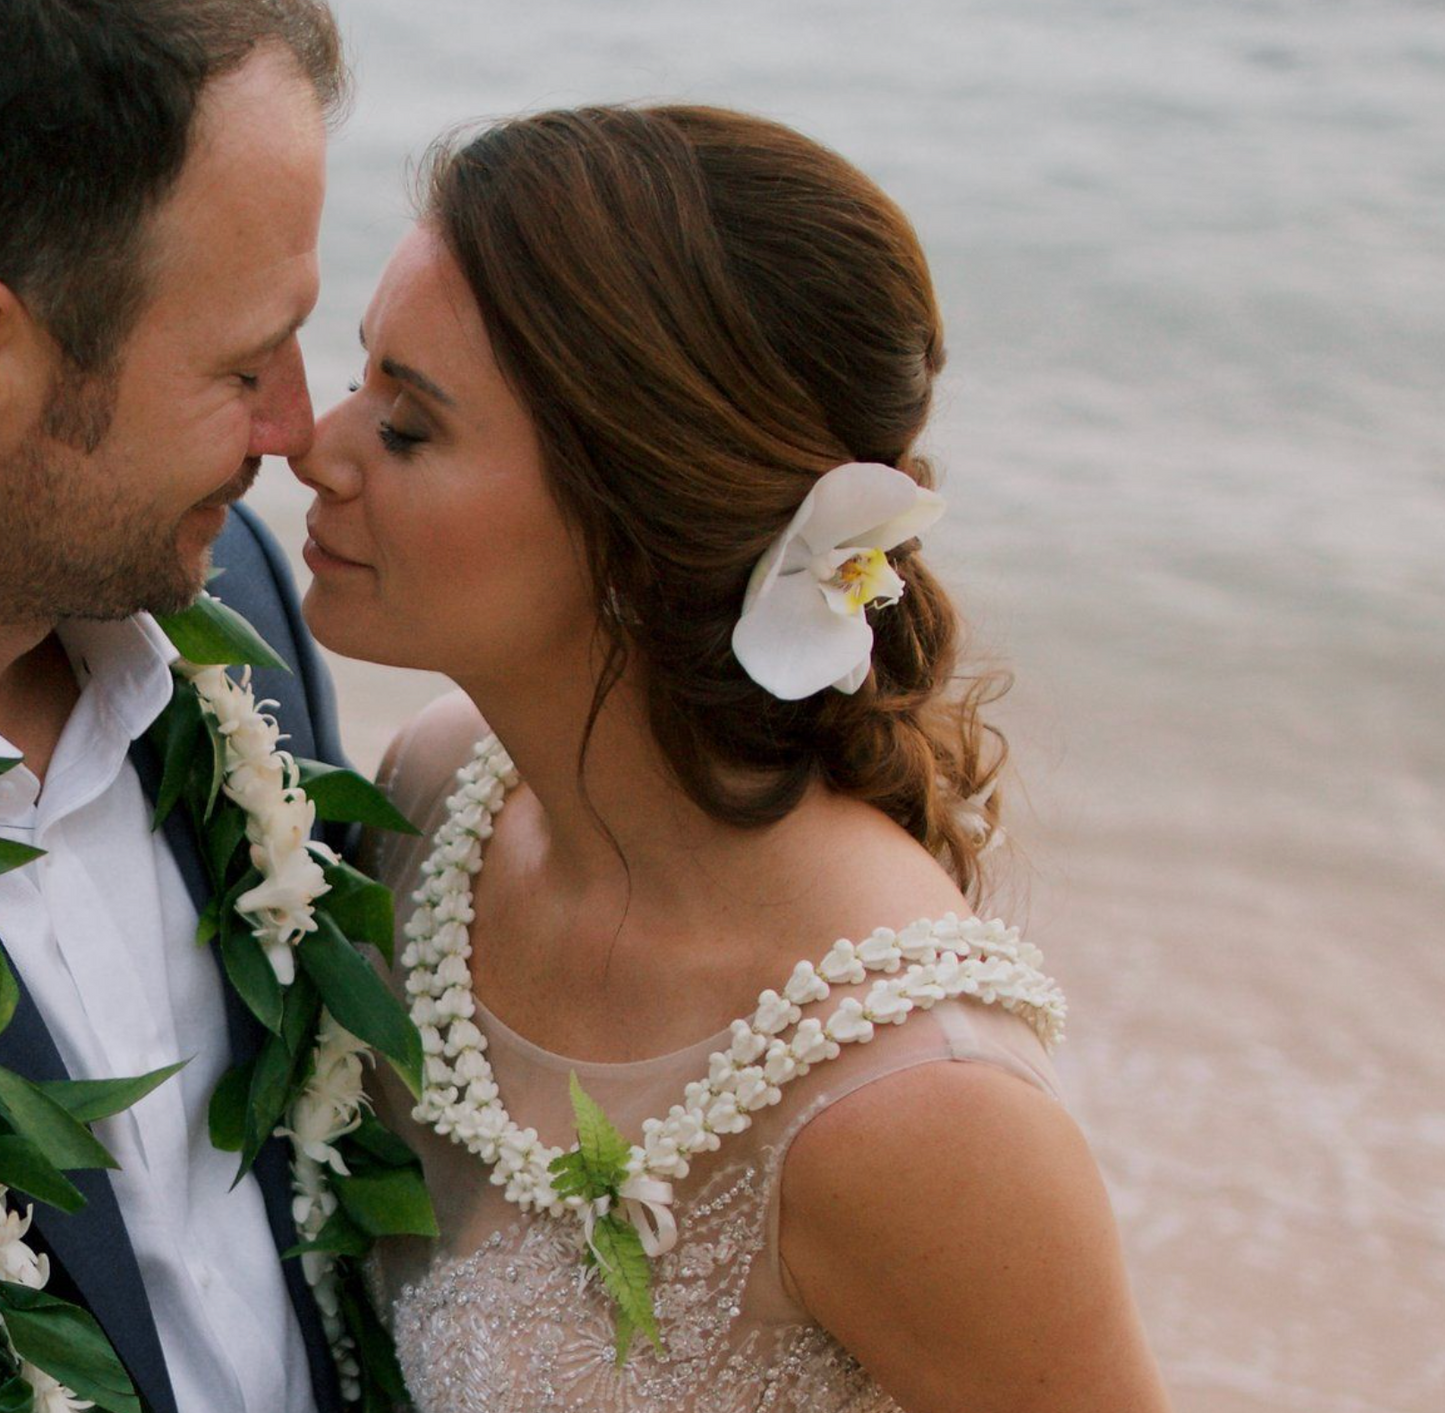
98	99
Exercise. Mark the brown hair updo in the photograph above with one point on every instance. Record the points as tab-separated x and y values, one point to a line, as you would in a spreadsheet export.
703	312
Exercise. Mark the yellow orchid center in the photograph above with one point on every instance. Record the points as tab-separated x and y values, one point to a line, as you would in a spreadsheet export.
864	577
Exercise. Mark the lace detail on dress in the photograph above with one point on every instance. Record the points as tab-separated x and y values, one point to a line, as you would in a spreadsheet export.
516	1327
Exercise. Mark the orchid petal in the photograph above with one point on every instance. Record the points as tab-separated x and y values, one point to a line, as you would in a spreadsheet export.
865	503
792	644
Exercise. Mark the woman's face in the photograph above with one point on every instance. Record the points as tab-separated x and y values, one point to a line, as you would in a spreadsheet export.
434	540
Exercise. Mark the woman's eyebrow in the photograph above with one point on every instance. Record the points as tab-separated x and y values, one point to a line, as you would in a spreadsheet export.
413	377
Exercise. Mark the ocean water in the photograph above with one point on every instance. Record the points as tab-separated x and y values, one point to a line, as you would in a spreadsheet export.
1192	258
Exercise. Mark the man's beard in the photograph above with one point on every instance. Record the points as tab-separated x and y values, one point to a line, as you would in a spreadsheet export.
73	545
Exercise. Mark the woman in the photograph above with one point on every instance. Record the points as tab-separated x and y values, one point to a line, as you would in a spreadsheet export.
632	462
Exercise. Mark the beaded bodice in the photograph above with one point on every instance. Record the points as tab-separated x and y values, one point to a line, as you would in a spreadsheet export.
499	1315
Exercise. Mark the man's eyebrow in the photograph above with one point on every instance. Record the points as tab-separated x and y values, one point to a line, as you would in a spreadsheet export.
405	373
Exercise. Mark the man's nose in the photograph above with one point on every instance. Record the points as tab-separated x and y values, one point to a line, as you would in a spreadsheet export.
283	423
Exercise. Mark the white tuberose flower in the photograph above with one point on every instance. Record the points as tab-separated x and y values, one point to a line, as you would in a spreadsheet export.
803	626
50	1395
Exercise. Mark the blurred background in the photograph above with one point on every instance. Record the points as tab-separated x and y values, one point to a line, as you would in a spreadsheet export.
1192	259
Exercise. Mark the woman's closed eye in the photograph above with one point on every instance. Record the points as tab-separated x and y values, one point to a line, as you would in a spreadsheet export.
397	440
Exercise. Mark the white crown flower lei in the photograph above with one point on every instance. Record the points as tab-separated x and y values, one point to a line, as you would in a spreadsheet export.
620	1193
803	625
286	914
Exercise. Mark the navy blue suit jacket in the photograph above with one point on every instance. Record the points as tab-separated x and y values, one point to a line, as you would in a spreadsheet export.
92	1261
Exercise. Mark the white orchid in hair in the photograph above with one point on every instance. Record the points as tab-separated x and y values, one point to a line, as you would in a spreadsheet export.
803	626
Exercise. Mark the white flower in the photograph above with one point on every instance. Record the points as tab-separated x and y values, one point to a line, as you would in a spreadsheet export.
51	1396
774	1013
803	627
849	1023
18	1262
747	1044
880	952
805	985
841	965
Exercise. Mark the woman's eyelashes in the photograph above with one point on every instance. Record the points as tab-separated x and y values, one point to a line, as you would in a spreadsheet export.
397	441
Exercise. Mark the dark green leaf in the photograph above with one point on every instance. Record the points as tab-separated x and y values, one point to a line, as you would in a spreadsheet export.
359	999
16	1396
252	976
349	798
360	907
39	1118
625	1272
208	633
208	925
273	1082
66	1342
9	991
299	1015
388	1202
227	1113
13	855
179	729
218	762
224	833
87	1100
378	1354
25	1167
340	1236
8	763
379	1145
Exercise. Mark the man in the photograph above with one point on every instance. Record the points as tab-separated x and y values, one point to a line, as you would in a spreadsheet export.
161	175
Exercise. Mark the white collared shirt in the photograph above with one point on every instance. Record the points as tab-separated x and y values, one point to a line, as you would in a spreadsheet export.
102	929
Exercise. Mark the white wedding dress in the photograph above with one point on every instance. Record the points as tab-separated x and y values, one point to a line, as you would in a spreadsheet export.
497	1317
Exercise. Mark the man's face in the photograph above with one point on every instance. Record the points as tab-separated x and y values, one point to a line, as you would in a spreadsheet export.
211	377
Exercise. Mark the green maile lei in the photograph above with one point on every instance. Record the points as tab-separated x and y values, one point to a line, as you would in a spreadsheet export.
354	1180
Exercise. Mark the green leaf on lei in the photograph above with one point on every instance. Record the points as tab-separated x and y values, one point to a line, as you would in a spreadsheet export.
66	1342
16	1396
627	1274
87	1100
251	975
359	906
341	794
378	1144
9	991
601	1147
359	999
389	1202
383	1385
210	634
8	763
218	763
227	1113
13	855
24	1167
224	834
340	1236
178	730
36	1116
273	1084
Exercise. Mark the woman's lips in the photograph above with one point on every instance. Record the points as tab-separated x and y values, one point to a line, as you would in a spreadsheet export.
320	556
